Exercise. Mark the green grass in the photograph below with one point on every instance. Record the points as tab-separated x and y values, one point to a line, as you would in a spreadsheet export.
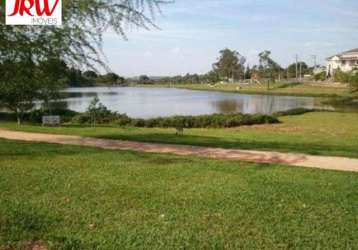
321	133
304	89
81	198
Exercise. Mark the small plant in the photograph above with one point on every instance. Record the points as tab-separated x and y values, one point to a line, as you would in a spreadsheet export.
320	76
96	110
97	113
341	76
347	77
353	81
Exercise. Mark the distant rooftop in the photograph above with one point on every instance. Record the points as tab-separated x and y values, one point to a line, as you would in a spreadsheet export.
346	53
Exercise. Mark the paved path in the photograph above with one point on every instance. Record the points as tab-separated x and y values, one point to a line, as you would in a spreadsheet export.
292	159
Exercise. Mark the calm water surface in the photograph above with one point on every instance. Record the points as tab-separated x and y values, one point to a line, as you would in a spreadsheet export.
156	102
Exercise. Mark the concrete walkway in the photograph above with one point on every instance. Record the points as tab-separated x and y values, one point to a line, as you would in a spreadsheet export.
291	159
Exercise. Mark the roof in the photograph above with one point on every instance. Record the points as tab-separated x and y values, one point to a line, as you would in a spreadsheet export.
350	51
344	53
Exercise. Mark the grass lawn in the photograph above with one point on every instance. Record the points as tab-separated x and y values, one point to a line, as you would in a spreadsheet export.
68	197
322	133
304	89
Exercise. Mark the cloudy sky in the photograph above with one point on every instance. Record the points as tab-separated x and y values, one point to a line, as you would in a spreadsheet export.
193	31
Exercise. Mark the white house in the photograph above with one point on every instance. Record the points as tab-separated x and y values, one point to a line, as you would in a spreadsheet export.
346	61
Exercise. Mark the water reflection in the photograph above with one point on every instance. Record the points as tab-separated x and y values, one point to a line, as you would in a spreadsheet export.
228	106
155	102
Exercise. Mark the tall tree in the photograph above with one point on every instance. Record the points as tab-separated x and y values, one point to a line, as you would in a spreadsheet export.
52	77
17	93
77	42
248	72
230	65
268	67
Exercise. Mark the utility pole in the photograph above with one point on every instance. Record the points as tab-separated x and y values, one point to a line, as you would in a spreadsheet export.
287	74
314	57
296	67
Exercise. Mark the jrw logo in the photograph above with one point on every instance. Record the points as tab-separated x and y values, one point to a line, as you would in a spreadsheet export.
33	12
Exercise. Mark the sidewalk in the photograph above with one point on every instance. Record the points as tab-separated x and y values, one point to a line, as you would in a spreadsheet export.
291	159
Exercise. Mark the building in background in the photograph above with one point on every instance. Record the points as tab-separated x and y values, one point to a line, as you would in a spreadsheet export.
346	61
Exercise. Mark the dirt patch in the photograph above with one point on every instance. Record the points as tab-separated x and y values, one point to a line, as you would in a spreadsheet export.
36	245
30	245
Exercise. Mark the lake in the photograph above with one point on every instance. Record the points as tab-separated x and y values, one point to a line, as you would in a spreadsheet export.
155	102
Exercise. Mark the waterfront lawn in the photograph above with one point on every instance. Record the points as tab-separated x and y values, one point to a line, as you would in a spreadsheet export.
67	197
321	133
295	89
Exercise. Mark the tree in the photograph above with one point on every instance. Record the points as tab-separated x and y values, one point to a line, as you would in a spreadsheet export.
17	94
52	75
77	42
90	75
110	78
248	72
268	67
291	69
144	79
212	77
97	111
76	78
230	64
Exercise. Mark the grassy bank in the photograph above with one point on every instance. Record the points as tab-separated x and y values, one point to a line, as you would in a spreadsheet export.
304	89
322	133
66	197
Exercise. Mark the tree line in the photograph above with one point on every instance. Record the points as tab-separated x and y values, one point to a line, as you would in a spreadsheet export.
78	78
231	66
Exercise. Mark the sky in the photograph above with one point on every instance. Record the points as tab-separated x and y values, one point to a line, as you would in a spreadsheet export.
192	32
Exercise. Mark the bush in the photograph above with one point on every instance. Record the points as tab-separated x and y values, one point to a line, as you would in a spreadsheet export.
340	76
202	121
351	78
82	119
353	81
343	102
102	118
320	77
97	113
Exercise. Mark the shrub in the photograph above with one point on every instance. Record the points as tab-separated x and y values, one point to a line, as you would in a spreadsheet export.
343	102
320	77
205	121
353	81
351	78
340	76
123	120
83	118
138	123
97	113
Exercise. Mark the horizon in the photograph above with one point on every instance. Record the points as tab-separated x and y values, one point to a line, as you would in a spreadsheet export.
189	39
